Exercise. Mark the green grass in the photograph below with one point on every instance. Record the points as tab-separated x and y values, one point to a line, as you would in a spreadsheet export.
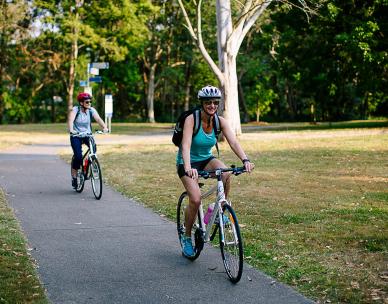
19	282
360	124
314	213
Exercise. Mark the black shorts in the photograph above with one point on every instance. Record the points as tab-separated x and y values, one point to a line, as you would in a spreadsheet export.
197	165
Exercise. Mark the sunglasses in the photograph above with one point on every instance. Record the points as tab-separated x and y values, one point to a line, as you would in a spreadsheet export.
216	102
87	101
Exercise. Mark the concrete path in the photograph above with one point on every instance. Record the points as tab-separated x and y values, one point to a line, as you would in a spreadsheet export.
114	250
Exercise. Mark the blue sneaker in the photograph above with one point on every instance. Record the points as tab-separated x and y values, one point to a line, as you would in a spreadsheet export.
187	246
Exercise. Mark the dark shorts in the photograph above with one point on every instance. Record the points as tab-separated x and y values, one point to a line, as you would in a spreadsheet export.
197	165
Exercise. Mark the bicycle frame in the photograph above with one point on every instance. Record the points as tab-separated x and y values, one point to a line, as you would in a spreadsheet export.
90	153
90	150
219	188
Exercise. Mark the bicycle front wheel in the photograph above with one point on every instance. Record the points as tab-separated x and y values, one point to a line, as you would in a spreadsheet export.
96	178
231	244
196	234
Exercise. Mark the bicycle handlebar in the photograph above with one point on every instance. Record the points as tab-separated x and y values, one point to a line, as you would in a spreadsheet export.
86	134
235	170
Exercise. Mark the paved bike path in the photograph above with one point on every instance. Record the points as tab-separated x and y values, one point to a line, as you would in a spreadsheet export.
114	250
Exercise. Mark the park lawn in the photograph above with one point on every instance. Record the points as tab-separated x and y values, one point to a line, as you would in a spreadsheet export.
12	136
314	213
19	281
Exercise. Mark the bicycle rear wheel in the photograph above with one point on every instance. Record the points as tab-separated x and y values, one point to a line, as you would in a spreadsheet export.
196	234
96	178
231	244
80	179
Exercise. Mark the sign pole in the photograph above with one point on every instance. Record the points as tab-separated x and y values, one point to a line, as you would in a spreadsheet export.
108	111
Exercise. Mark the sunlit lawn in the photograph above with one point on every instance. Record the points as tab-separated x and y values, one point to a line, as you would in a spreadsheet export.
314	213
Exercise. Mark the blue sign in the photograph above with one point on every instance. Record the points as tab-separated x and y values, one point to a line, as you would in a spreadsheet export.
100	65
95	79
83	83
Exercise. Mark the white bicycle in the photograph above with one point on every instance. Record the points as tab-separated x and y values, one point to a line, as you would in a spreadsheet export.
223	220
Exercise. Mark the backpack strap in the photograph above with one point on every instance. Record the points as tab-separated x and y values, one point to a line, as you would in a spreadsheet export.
216	125
197	121
90	118
76	115
217	130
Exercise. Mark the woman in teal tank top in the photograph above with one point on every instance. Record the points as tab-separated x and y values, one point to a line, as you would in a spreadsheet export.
195	153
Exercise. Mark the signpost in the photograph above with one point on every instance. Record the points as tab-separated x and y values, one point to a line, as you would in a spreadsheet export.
93	69
95	79
100	65
83	83
108	111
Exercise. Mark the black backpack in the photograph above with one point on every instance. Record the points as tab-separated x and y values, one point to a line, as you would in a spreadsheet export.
178	129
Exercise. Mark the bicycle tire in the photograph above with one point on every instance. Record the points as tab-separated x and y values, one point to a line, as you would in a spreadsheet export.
196	234
232	247
80	179
96	178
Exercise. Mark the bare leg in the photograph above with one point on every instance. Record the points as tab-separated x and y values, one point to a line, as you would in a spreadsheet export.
194	193
216	164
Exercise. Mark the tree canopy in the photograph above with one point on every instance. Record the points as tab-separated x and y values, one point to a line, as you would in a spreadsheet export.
327	66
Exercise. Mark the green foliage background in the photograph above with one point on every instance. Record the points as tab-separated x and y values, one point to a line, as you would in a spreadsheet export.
328	66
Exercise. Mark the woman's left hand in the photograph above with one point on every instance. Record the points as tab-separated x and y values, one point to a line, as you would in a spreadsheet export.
249	166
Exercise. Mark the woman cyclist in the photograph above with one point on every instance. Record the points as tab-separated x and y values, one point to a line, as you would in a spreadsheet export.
80	121
195	154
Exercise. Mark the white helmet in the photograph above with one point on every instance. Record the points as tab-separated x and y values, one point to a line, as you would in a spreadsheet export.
209	92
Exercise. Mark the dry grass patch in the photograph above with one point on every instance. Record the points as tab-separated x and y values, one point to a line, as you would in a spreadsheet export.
314	212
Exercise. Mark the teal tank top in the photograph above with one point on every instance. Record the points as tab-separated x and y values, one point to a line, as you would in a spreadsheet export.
201	147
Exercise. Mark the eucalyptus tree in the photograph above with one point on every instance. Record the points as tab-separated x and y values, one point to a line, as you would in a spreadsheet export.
234	20
229	39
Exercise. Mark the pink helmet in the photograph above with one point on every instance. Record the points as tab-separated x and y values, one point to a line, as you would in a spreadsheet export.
83	96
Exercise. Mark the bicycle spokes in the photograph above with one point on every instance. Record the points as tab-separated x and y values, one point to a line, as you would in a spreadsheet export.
96	178
231	244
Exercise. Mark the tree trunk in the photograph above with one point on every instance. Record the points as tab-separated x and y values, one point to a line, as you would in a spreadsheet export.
258	113
151	94
230	89
187	86
3	56
73	62
72	74
228	43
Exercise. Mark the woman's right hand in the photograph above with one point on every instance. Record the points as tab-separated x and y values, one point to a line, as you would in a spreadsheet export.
193	173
